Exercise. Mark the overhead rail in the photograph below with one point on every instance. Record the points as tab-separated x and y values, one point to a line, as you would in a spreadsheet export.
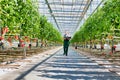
85	10
51	13
93	11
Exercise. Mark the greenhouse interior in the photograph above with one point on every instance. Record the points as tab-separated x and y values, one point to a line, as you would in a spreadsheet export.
59	39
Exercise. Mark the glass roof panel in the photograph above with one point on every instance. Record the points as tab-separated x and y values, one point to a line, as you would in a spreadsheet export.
67	14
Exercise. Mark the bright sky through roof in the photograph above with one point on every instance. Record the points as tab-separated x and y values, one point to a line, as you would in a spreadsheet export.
67	14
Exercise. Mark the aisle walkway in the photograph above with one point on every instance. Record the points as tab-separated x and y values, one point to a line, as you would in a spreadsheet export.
72	67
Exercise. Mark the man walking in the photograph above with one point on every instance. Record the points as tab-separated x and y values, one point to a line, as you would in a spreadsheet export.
66	43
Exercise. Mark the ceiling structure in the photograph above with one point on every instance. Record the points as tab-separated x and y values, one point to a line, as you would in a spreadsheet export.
67	14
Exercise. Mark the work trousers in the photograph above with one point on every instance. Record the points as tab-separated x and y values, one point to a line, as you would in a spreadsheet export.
66	45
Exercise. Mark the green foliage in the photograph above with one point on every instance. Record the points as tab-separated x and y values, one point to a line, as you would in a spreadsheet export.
22	17
103	21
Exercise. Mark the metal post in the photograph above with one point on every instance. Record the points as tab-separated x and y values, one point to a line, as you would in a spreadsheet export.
24	52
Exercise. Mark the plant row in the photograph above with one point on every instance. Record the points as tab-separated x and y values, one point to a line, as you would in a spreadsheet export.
102	25
22	18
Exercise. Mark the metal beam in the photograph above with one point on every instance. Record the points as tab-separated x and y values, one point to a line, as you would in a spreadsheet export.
57	10
65	25
67	19
67	16
70	26
85	10
58	7
97	7
51	13
75	22
67	4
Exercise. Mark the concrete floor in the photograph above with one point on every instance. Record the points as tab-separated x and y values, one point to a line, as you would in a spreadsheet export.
75	66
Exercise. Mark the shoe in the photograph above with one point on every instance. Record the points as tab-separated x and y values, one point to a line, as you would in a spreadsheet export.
66	54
